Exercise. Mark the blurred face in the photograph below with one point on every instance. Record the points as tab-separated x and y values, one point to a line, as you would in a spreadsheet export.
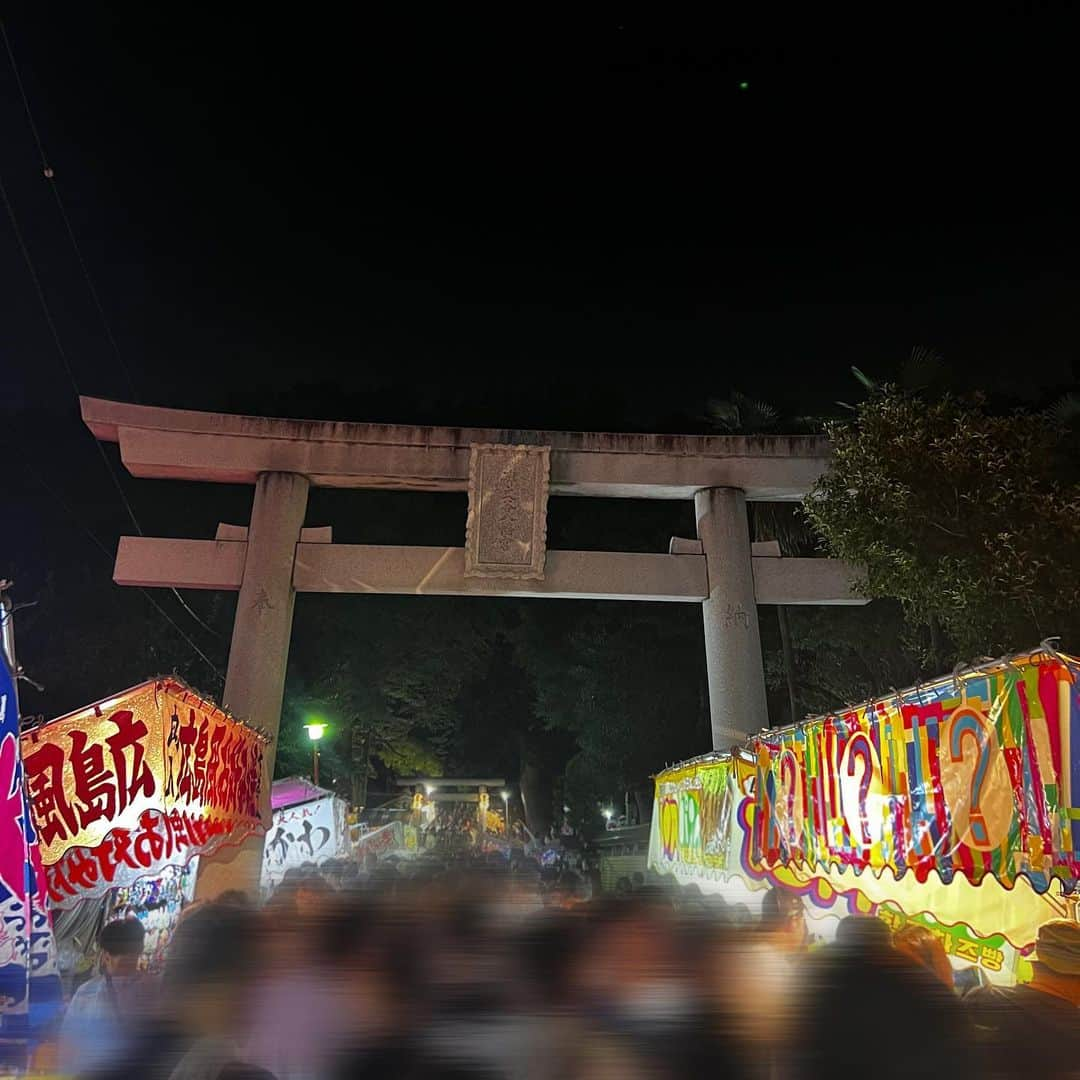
750	985
791	930
121	965
933	958
309	903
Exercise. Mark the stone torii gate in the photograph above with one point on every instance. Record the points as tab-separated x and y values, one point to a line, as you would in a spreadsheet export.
508	476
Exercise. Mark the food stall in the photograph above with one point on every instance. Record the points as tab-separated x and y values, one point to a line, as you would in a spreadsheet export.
127	793
309	826
953	804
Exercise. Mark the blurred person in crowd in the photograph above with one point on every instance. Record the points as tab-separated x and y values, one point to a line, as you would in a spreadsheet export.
205	991
297	1009
1034	1029
106	1010
631	981
783	919
862	979
864	935
747	985
924	948
234	898
383	991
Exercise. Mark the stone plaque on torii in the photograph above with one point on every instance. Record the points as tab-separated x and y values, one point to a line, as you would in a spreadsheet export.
508	476
506	526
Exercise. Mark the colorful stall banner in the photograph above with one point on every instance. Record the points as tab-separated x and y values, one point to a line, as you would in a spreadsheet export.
145	780
381	841
993	955
694	807
30	992
309	833
973	776
707	821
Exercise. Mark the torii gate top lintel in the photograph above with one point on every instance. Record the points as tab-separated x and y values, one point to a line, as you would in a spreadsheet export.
163	443
508	476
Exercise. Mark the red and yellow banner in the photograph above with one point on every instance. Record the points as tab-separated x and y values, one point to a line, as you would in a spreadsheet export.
122	788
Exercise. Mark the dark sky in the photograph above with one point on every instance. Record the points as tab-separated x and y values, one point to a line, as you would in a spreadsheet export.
529	223
551	222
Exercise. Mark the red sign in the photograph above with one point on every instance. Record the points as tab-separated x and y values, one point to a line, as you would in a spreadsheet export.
134	783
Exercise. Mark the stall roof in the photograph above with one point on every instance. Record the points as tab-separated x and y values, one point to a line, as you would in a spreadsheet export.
294	790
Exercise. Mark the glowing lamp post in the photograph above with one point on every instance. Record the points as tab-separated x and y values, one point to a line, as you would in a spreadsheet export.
608	815
315	730
506	810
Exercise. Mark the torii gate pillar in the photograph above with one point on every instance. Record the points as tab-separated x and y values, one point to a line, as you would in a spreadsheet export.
255	680
737	702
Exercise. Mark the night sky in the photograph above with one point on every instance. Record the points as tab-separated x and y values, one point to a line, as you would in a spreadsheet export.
565	224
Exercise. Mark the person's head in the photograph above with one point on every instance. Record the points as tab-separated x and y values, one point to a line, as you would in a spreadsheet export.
313	895
864	934
1057	955
236	898
783	918
121	943
924	948
209	965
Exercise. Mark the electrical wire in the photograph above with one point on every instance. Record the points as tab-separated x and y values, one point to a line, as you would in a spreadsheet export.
103	547
50	176
54	332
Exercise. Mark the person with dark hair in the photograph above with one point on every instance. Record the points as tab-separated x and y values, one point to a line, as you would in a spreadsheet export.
235	898
204	992
105	1010
783	919
1032	1029
921	946
863	978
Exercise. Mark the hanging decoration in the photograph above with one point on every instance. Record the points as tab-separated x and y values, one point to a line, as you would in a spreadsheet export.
871	811
144	780
30	992
974	776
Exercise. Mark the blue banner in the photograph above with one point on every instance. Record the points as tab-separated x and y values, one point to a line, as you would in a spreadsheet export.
30	994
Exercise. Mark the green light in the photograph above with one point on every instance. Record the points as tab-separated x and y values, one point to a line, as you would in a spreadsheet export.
315	731
744	86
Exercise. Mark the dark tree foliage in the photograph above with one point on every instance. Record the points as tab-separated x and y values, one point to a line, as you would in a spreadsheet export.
970	520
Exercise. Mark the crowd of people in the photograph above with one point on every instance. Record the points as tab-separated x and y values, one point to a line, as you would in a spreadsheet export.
470	969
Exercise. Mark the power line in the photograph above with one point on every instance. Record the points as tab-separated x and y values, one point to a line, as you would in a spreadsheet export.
50	176
47	312
100	544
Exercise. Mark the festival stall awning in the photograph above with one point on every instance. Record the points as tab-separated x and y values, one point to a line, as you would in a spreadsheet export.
309	827
136	782
954	802
294	790
974	776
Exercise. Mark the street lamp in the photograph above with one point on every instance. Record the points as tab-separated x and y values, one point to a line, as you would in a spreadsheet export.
506	810
608	815
316	729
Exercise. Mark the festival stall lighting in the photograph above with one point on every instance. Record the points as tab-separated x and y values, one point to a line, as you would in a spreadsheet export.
953	802
138	782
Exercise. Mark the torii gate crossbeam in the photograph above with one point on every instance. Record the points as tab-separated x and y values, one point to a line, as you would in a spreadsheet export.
275	557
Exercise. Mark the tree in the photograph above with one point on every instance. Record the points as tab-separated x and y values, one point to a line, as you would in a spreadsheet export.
386	680
970	520
627	682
